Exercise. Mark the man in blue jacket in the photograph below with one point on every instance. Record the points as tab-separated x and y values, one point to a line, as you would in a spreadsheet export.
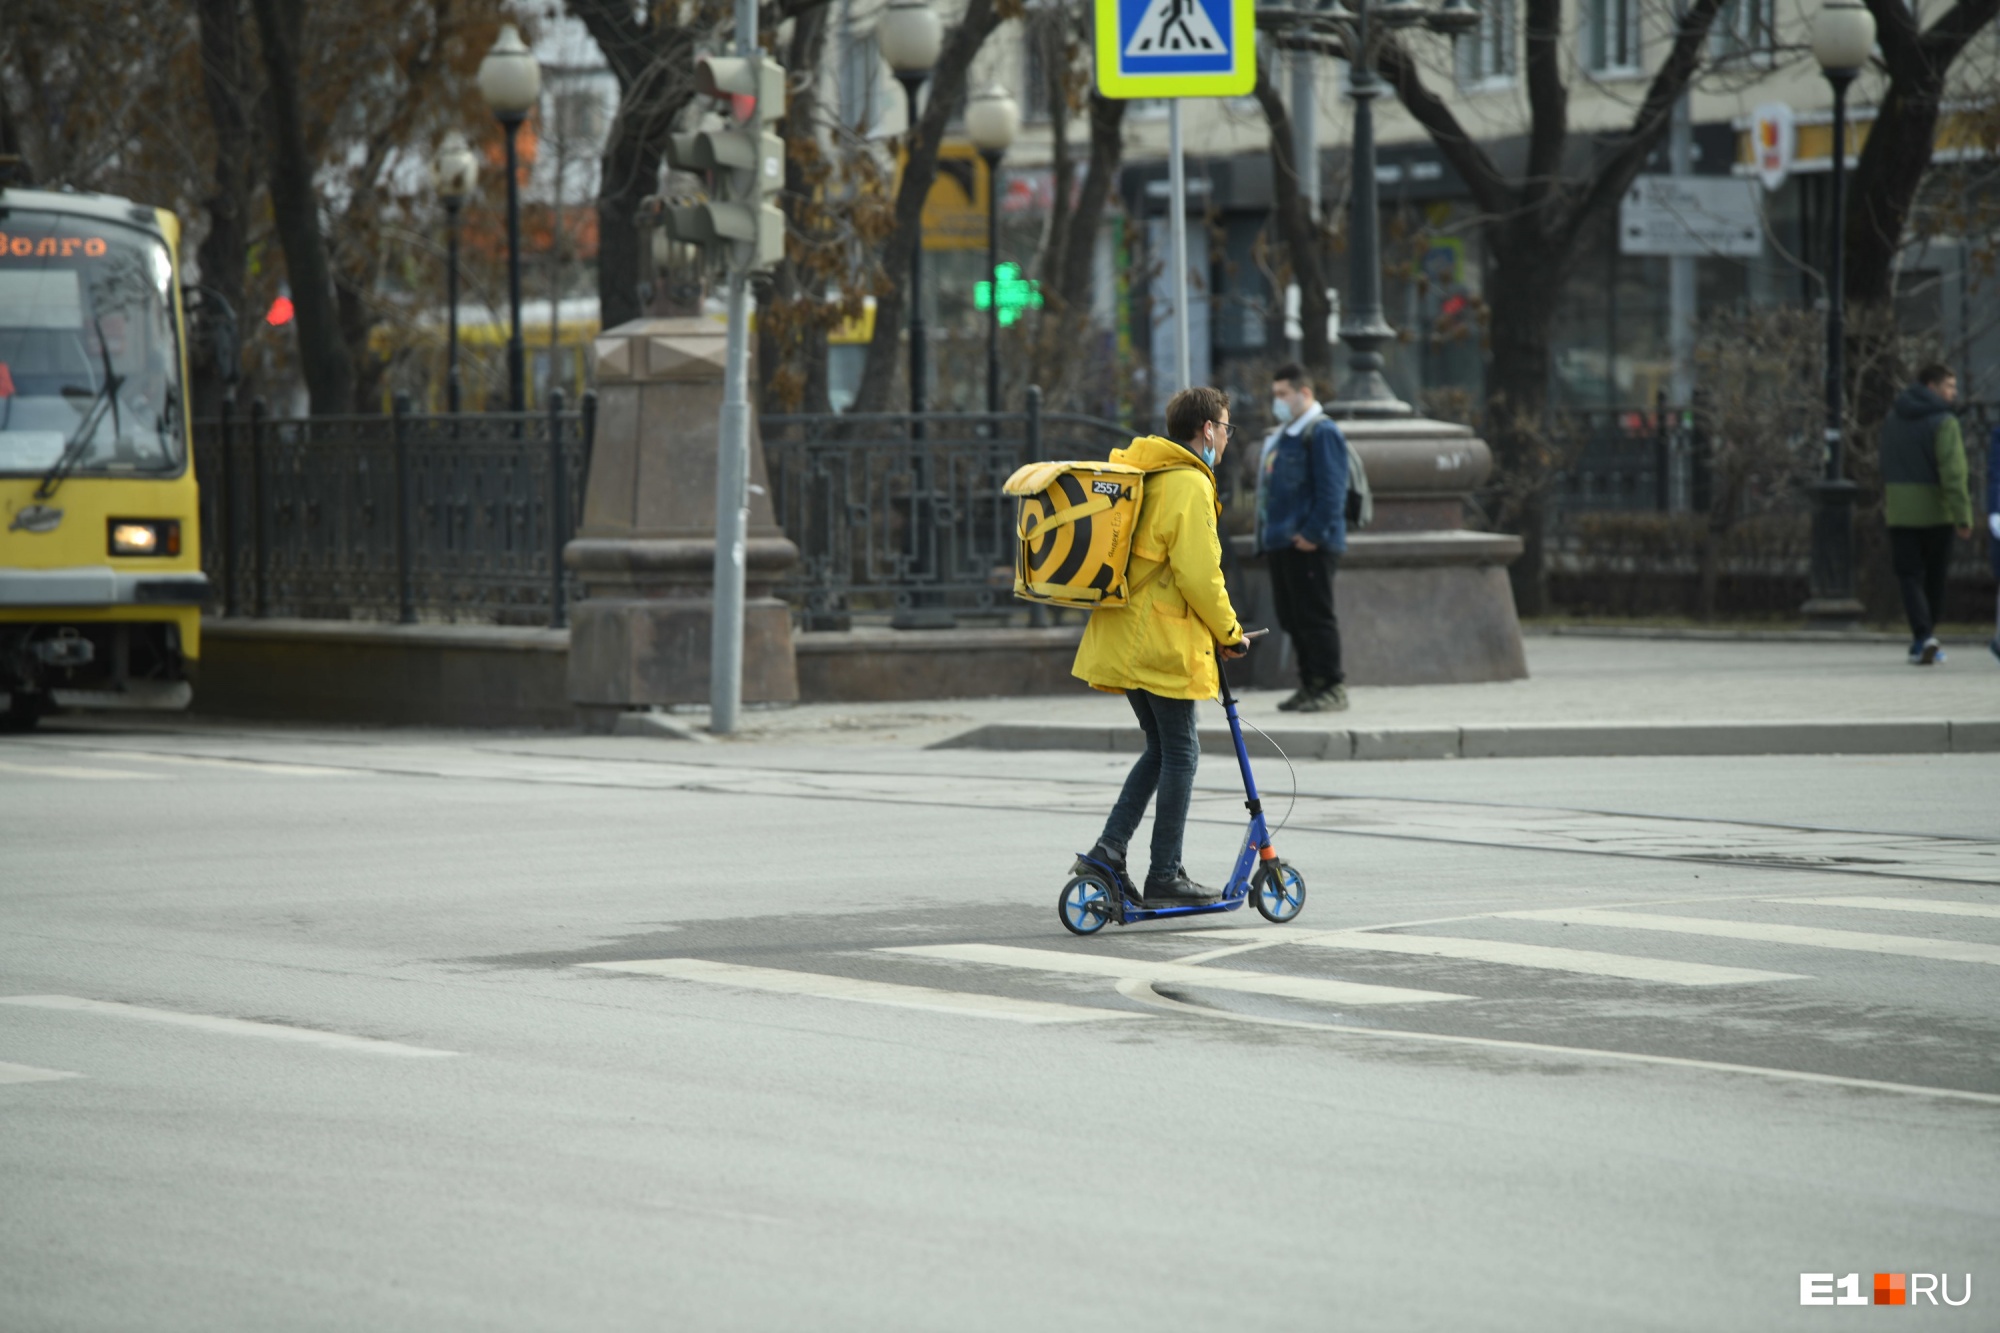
1302	532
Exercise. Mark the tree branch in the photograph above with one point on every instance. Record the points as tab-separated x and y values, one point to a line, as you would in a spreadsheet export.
1548	99
1613	176
1490	189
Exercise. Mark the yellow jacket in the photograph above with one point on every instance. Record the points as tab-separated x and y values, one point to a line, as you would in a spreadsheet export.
1163	639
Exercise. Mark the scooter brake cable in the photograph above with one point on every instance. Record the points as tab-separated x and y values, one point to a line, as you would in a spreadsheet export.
1288	768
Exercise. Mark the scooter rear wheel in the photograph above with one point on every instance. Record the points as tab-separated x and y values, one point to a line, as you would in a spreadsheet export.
1086	905
1279	892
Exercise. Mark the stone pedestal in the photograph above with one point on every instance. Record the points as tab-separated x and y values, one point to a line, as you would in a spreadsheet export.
1421	600
646	546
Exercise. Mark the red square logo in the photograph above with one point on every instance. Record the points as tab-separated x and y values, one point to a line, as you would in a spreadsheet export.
1891	1289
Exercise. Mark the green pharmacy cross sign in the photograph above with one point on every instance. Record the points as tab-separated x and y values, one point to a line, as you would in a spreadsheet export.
1016	293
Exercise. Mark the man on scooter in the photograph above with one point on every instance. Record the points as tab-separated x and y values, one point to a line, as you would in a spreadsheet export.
1159	649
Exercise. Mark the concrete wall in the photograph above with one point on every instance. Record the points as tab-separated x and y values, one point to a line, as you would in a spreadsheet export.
343	671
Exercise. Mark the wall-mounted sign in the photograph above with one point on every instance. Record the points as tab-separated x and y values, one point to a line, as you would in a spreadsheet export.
1690	215
1774	138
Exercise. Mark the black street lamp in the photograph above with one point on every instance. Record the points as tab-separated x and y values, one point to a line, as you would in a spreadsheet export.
454	172
510	80
993	119
1361	31
1843	35
910	38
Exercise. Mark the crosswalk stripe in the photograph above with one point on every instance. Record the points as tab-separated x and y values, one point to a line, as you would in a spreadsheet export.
1321	989
223	762
1765	932
239	1027
72	771
1544	957
10	1073
1932	906
826	987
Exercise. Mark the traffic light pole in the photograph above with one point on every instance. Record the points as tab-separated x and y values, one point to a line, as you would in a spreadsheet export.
732	471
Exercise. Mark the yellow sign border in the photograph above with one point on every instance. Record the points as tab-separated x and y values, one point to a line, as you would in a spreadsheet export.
1112	82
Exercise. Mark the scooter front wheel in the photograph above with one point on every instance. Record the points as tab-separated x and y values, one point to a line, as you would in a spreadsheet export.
1279	892
1085	906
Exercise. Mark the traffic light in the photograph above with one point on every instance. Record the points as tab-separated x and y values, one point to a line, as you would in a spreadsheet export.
744	165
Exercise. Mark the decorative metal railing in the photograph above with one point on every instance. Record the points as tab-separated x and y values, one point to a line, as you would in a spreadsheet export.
400	517
903	512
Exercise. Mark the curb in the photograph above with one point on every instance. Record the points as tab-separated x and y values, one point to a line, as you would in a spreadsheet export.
1694	634
1527	740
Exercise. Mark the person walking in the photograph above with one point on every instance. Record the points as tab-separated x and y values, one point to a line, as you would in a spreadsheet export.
1925	500
1302	532
1159	649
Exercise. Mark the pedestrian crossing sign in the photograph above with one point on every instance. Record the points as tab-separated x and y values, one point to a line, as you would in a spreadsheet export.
1176	48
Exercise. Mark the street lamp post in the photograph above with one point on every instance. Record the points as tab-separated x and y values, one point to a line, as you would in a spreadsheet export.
454	171
910	38
510	80
993	119
1842	36
1361	31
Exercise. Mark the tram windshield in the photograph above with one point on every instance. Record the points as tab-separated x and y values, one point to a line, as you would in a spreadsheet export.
89	361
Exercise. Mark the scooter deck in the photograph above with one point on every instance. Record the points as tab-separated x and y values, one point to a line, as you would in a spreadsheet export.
1135	913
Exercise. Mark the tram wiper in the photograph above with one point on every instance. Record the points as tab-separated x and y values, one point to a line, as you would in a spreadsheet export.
106	396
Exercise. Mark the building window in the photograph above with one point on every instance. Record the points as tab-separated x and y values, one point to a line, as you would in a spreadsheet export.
1745	28
1486	54
1611	36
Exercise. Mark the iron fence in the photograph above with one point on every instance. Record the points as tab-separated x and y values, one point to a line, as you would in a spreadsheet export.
402	517
902	513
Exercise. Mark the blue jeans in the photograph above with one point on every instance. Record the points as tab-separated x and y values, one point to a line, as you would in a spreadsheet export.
1167	766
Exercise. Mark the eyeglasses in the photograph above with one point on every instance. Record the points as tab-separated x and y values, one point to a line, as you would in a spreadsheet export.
1228	429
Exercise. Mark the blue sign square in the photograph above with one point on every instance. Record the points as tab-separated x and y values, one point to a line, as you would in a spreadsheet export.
1174	37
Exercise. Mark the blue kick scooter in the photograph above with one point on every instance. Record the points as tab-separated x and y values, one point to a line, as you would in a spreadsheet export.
1099	894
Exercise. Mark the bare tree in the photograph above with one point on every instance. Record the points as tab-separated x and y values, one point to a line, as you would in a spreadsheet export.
920	148
323	354
1065	262
1896	158
1304	238
1534	225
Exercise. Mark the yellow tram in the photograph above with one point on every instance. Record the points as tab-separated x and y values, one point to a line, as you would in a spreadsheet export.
100	560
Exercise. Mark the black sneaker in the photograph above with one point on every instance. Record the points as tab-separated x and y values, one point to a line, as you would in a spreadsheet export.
1105	856
1298	696
1177	890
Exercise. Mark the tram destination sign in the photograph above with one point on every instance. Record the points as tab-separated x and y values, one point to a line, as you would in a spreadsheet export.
1691	215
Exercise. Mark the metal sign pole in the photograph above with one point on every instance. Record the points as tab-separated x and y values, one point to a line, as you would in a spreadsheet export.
1177	228
732	473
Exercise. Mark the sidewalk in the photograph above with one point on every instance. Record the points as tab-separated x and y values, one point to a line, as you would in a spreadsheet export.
1584	696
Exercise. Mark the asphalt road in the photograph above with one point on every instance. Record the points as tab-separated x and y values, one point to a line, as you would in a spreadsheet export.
314	1030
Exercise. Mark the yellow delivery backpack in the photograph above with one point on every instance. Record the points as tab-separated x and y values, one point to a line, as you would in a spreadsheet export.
1075	525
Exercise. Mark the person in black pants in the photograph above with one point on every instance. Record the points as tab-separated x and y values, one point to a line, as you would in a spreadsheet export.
1925	500
1302	532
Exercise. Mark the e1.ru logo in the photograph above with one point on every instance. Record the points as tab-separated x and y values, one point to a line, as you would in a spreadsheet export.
1890	1289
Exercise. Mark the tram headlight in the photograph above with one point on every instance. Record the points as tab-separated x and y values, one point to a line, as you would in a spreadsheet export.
145	536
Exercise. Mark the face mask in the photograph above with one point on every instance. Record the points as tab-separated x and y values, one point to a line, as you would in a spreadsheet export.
1208	454
1281	408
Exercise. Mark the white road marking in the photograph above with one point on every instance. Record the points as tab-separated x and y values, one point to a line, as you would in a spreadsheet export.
1545	957
822	986
1320	989
238	1027
30	1074
1934	906
71	771
1142	992
1766	932
214	761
